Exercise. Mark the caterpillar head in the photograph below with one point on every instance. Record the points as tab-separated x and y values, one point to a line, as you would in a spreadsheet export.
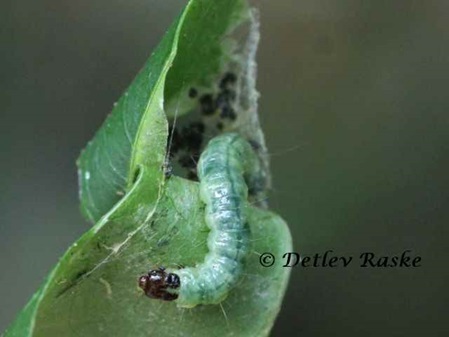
160	285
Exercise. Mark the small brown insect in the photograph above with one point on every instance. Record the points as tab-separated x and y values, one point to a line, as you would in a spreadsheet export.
160	285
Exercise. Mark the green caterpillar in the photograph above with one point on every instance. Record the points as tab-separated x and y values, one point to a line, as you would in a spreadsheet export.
226	169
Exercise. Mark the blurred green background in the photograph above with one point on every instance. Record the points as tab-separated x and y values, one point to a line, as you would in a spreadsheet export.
355	110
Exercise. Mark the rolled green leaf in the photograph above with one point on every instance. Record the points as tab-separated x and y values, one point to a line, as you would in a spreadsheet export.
144	218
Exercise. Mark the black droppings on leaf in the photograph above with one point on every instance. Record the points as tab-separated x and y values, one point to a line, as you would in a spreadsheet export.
207	104
228	79
193	92
228	112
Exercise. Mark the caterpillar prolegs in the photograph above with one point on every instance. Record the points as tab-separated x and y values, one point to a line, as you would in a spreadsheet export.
228	168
